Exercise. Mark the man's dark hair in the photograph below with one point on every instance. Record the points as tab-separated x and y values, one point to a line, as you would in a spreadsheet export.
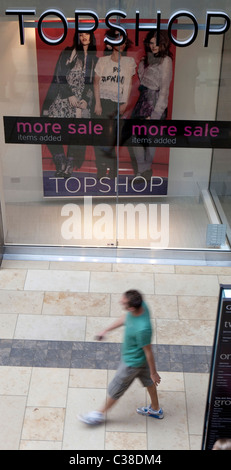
134	298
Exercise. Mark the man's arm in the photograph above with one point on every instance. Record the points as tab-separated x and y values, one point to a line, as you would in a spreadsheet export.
119	322
152	365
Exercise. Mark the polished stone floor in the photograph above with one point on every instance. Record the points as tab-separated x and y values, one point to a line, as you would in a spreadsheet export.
52	368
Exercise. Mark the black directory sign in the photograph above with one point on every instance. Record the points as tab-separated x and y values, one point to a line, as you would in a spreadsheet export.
217	423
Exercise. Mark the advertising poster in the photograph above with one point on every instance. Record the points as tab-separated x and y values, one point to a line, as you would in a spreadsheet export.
86	84
218	413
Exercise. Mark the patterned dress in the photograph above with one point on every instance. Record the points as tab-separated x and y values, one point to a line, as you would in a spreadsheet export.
76	82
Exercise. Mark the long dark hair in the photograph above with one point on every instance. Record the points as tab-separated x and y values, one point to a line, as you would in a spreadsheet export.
164	45
91	55
78	45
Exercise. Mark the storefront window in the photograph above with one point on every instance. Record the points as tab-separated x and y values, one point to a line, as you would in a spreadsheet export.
116	127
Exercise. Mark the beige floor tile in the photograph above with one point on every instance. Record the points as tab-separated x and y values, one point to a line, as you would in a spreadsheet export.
12	279
196	386
78	435
224	280
80	266
88	378
21	302
198	308
44	424
63	281
70	303
170	433
48	387
120	282
14	380
171	381
126	441
188	332
195	441
22	264
44	327
142	268
190	284
206	270
12	409
116	307
7	325
162	306
40	445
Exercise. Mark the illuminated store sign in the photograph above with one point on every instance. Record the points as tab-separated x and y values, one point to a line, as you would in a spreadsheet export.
210	28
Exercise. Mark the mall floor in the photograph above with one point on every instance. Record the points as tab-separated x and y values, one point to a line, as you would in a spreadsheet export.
52	368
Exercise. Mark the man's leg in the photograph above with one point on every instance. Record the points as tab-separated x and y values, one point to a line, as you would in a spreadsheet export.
109	403
154	397
98	417
116	389
153	410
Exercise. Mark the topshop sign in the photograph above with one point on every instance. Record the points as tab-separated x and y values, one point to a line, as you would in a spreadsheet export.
210	27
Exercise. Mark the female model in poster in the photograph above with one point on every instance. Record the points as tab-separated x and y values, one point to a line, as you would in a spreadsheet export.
155	74
112	87
71	95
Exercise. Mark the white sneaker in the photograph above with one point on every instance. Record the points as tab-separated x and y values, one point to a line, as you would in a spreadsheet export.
93	418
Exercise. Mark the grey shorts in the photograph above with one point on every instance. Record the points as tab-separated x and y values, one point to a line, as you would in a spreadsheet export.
124	377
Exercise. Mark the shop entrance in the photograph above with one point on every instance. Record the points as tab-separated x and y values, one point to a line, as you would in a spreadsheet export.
114	146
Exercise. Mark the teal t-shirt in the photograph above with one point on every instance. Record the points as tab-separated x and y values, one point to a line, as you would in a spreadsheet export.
137	334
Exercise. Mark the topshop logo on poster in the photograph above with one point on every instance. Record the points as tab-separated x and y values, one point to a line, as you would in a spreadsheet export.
210	27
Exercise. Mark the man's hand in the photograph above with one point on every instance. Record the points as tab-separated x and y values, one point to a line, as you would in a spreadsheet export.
100	336
156	378
117	323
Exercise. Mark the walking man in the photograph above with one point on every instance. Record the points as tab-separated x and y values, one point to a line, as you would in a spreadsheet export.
137	359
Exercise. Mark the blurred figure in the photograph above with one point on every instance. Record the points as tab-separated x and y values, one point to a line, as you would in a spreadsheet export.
137	359
222	444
